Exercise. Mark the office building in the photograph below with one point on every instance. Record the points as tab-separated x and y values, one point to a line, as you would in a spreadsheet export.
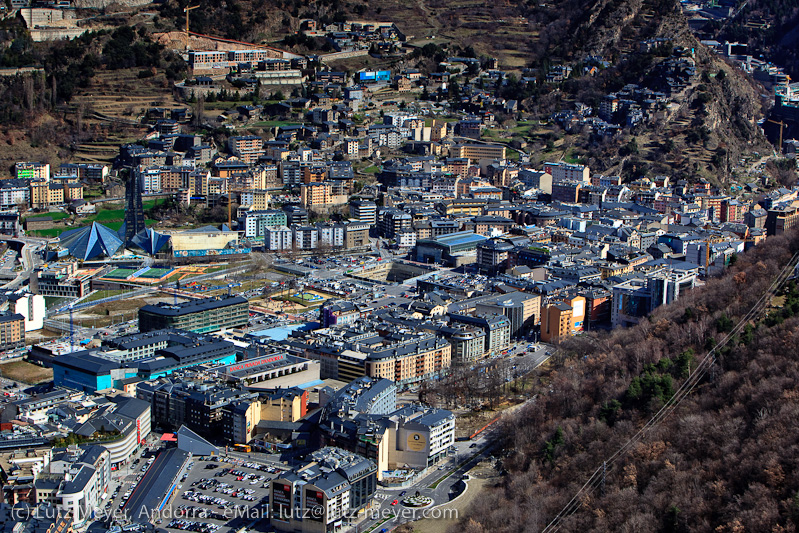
201	316
454	249
64	280
356	235
521	308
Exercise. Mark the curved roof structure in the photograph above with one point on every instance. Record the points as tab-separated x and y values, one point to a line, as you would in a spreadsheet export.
91	241
150	240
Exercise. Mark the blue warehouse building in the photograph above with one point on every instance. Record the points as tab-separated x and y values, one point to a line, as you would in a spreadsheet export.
88	373
166	361
105	368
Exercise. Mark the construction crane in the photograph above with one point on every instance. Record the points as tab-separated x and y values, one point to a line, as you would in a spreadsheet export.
781	124
186	10
71	330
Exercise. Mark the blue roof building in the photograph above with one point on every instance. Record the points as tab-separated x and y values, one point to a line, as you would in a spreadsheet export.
454	249
150	241
91	241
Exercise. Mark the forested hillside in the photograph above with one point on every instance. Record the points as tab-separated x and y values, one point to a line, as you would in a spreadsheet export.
39	117
726	460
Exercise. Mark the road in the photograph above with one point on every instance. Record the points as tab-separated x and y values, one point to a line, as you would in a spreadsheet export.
144	291
443	483
28	259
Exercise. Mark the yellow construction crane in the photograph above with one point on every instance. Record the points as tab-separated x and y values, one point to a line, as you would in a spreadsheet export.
186	10
781	124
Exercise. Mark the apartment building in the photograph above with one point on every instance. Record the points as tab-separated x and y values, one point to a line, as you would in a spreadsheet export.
323	194
248	148
31	170
476	152
285	405
405	358
12	331
255	223
13	193
496	327
278	238
568	172
44	194
364	211
319	496
556	321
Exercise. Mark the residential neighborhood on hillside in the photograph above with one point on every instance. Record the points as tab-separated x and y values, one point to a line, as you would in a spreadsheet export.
335	278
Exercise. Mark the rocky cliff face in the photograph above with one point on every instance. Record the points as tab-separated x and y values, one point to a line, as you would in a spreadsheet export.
711	120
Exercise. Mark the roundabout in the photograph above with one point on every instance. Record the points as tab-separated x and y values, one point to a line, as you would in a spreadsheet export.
417	502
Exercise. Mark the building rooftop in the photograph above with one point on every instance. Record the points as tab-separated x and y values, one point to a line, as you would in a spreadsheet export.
155	486
192	306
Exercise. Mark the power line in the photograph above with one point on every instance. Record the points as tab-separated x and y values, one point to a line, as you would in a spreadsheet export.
597	479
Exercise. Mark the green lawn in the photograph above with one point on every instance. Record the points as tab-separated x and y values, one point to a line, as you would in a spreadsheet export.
273	124
120	273
107	214
58	215
110	224
149	204
371	169
115	225
155	273
47	233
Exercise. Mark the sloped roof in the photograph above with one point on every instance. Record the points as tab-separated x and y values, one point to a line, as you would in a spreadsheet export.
91	241
189	441
150	241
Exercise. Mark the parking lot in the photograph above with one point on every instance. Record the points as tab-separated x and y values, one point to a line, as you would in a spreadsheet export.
219	494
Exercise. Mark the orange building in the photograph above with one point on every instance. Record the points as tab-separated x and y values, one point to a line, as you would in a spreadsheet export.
12	331
556	321
577	304
314	174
